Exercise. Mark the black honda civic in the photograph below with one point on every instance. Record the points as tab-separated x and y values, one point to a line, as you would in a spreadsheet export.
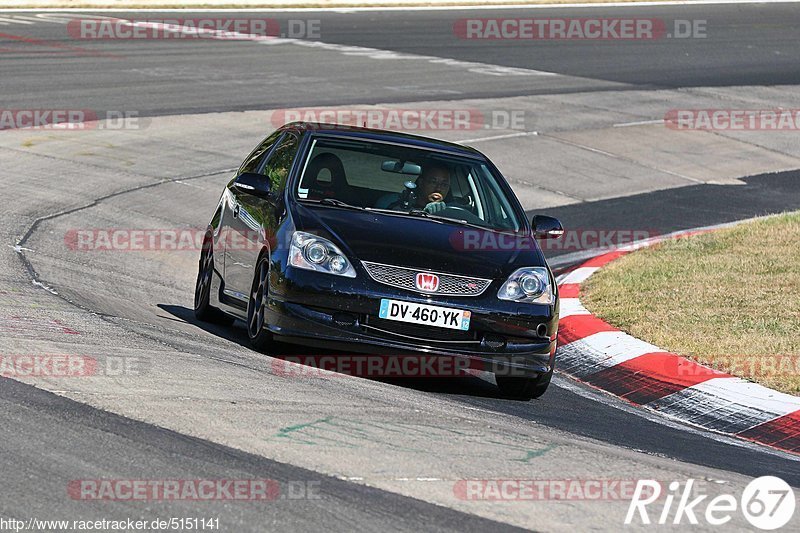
385	243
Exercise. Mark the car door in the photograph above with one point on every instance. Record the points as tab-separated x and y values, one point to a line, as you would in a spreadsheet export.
229	212
250	213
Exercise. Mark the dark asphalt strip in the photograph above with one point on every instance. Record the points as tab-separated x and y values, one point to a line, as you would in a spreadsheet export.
736	45
743	45
746	44
565	410
47	441
662	212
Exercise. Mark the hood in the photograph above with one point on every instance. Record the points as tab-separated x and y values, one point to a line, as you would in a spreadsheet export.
417	242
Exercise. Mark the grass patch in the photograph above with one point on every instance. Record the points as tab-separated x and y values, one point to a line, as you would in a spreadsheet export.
729	299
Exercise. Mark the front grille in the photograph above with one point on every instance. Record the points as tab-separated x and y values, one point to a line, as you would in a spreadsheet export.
405	278
419	331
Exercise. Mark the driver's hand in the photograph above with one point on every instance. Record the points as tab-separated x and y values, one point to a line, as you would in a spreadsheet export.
435	207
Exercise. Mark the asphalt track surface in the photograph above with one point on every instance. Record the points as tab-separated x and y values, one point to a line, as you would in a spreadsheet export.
753	44
48	439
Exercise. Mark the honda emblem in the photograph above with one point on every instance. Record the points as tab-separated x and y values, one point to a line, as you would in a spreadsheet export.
427	282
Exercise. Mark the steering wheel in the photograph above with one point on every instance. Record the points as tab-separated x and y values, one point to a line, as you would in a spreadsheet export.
458	208
462	213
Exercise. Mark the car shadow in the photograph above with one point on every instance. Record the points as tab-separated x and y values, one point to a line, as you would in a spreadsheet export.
235	333
480	384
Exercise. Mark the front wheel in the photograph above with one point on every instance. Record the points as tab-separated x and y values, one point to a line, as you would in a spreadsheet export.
260	337
524	388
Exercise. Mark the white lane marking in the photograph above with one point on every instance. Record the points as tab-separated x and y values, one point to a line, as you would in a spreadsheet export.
5	21
614	347
179	182
470	408
639	123
706	408
49	289
378	53
572	306
52	18
58	18
34	19
372	53
188	30
344	9
739	391
497	137
579	275
19	249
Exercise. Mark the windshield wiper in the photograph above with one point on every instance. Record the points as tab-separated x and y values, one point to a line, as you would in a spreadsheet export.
416	212
439	218
339	203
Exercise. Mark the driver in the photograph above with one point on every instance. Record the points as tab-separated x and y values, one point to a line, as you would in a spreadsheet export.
433	185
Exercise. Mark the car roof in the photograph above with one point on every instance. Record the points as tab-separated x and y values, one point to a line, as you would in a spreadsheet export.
345	130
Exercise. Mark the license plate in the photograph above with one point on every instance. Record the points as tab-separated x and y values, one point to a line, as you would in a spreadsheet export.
429	315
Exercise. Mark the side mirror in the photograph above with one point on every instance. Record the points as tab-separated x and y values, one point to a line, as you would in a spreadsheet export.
251	183
545	227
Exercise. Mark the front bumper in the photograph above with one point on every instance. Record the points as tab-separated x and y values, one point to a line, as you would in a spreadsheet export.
324	311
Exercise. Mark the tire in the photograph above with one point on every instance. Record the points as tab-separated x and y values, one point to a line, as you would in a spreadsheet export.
524	388
202	289
260	337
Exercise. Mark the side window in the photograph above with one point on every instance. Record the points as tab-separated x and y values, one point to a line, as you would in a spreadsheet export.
497	207
254	160
280	161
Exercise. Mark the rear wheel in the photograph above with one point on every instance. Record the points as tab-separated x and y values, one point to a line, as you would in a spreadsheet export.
202	289
524	388
260	337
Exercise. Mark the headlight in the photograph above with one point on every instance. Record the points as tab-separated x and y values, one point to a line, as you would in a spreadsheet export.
315	253
528	285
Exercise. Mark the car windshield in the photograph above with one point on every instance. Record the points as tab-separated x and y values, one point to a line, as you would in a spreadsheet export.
419	182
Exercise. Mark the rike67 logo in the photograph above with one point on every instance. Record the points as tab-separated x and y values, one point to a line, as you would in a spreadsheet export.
767	503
